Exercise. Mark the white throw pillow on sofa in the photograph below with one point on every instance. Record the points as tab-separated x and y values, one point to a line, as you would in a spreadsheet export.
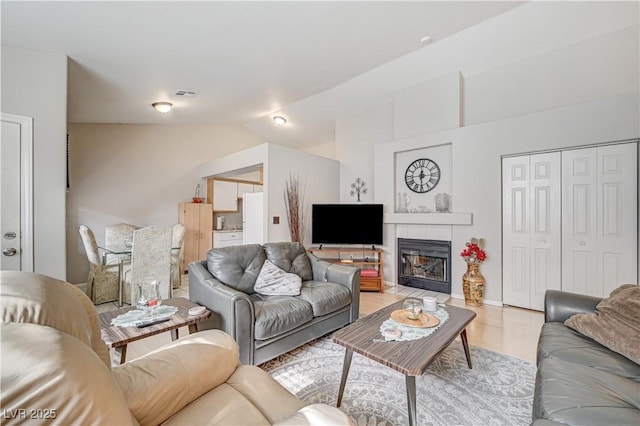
273	281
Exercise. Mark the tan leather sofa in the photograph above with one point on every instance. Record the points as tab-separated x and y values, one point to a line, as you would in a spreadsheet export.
56	369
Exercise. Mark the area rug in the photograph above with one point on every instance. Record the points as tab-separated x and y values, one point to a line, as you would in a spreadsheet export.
497	391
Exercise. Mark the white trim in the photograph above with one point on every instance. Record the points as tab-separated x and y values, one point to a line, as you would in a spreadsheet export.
429	218
26	187
484	301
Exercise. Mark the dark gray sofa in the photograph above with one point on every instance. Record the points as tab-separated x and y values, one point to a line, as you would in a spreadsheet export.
579	381
268	326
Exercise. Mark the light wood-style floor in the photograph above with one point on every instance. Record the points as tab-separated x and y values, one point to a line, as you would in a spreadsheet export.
512	331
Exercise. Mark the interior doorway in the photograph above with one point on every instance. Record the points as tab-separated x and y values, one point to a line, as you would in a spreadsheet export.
16	193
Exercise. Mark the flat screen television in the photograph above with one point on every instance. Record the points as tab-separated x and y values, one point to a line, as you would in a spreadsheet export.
346	224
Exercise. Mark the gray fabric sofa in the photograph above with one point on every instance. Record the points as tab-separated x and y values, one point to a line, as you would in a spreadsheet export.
268	326
579	381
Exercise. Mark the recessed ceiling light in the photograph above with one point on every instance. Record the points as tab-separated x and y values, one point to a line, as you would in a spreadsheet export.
425	40
163	107
279	120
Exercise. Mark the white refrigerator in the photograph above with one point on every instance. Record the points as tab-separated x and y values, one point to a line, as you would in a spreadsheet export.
253	218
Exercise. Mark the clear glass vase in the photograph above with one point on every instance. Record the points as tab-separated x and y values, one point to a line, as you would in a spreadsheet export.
149	297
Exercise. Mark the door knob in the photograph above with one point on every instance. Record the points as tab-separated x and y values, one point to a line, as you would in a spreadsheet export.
9	251
582	243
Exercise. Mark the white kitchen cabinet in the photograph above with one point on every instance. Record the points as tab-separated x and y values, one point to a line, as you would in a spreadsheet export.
226	239
225	196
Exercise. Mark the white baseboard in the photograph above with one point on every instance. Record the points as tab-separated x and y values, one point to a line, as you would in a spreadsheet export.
485	301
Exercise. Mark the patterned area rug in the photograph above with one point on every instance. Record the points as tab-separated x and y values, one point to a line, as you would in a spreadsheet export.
497	391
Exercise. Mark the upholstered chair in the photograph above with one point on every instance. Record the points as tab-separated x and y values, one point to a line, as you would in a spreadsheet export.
56	370
150	260
103	281
115	237
177	254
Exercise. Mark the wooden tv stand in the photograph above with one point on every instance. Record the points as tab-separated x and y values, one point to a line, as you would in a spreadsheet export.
360	258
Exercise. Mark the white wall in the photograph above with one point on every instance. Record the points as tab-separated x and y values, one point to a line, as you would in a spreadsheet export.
580	87
327	150
593	69
320	179
437	109
355	138
34	84
477	152
137	174
439	154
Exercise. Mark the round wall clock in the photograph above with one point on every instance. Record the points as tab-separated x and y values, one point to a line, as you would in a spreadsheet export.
422	175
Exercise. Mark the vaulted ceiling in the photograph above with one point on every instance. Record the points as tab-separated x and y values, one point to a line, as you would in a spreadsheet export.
245	60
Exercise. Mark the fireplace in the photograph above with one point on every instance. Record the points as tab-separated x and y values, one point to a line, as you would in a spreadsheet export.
425	264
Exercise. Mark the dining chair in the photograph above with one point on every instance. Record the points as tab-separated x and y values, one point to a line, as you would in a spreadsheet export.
150	260
177	254
103	281
115	237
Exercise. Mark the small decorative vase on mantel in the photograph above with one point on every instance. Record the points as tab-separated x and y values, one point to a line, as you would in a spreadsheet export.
473	285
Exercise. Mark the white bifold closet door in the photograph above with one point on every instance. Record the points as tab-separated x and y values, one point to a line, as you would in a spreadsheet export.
531	228
570	222
600	218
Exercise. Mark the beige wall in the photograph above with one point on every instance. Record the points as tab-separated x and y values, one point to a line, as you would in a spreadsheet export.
137	174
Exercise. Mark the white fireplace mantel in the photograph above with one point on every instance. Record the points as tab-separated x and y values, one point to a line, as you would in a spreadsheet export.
429	218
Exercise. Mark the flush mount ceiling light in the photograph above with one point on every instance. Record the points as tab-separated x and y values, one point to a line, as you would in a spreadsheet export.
425	40
279	120
163	107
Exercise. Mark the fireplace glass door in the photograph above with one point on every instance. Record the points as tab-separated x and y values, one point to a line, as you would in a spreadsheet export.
425	264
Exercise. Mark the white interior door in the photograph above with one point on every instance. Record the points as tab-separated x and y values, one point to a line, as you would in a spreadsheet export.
515	231
531	228
579	242
545	235
16	214
616	210
600	222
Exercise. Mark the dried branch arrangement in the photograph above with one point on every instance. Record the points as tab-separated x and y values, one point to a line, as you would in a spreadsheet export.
294	202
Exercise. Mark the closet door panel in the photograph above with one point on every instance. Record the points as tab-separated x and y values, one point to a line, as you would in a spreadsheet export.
617	224
579	235
545	236
515	230
581	263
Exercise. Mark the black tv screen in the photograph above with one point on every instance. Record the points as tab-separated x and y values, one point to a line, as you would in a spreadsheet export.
346	224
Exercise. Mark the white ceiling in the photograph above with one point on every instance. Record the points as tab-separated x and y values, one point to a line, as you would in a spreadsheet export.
246	60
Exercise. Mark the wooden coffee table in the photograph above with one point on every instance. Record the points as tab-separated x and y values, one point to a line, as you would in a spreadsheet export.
119	337
411	358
